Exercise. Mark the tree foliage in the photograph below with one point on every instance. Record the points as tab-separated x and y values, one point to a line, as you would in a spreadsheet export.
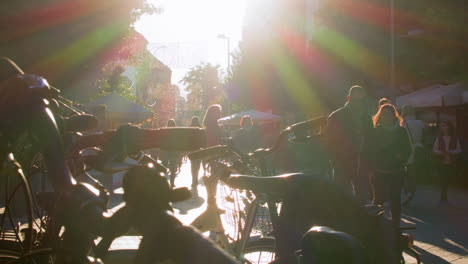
150	74
203	86
113	81
430	37
350	44
68	42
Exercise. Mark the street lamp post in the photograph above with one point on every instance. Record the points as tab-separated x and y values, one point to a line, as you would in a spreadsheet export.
392	44
223	36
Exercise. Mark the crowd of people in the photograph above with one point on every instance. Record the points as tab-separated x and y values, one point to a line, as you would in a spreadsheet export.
245	139
372	156
369	156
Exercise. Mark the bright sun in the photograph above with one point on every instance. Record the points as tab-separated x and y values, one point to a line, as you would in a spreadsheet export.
190	20
185	33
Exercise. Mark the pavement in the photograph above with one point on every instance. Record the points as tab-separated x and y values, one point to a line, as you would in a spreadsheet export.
441	234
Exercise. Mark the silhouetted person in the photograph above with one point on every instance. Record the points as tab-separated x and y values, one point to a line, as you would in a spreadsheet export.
446	148
171	159
392	149
348	129
214	132
246	139
195	164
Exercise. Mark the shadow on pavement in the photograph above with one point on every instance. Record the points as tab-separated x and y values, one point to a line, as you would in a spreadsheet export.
441	234
429	258
185	206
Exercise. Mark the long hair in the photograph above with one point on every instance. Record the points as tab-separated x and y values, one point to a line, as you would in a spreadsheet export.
382	101
377	116
209	118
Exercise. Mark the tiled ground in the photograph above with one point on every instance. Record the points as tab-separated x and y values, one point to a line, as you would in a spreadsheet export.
441	235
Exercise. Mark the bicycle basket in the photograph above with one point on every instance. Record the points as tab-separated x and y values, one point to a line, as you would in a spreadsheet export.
235	204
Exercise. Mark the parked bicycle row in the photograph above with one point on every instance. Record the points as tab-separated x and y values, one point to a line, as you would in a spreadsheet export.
313	219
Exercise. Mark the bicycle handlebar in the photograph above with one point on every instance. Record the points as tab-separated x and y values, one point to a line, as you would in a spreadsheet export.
308	124
133	139
81	122
295	128
221	150
211	152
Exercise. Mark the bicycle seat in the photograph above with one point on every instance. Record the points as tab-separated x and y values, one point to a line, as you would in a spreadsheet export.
274	185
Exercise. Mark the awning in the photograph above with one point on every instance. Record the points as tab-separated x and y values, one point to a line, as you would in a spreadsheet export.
257	116
435	95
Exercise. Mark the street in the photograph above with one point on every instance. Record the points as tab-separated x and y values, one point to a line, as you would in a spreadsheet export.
441	235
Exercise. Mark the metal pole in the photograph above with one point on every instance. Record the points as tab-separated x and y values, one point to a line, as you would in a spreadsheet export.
229	55
392	44
228	69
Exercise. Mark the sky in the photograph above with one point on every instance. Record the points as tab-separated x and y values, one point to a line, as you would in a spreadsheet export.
186	33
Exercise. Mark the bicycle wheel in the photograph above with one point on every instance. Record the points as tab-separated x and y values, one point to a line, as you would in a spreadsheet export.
261	251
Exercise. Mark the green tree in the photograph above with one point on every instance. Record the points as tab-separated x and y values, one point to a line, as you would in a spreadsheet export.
361	28
68	42
203	86
146	68
114	82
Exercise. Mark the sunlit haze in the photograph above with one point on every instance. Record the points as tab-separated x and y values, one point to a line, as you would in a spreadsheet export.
186	32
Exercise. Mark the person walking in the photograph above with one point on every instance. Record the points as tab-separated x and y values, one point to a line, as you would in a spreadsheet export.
215	133
246	138
348	129
195	164
446	148
392	149
171	159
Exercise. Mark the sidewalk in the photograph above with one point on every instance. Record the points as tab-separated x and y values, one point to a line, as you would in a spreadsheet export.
441	236
442	231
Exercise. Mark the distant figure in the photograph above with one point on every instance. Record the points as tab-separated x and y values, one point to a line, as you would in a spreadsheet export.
348	130
392	149
382	101
195	164
171	123
214	132
414	129
246	139
446	148
171	159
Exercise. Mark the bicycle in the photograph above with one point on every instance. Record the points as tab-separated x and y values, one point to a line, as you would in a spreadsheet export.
295	217
76	215
243	209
